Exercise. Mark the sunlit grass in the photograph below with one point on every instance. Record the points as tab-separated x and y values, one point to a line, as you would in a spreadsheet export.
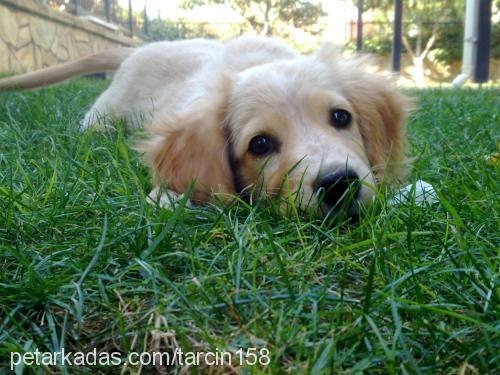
86	263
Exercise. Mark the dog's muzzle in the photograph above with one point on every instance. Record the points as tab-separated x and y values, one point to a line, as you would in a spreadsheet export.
338	191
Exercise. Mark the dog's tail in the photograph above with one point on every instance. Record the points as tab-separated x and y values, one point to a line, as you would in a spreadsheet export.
100	62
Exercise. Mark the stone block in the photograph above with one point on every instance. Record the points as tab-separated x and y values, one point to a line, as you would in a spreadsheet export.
98	45
48	58
15	65
34	36
83	49
81	36
4	57
37	27
25	58
23	37
55	45
42	32
62	54
72	51
8	26
50	32
61	32
22	19
37	57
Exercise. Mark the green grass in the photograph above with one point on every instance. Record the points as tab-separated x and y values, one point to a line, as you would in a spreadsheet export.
85	263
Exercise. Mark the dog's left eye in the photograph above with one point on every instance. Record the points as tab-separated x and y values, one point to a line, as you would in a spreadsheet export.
261	145
340	118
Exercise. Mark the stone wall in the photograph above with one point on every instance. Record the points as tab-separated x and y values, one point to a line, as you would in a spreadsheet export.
33	36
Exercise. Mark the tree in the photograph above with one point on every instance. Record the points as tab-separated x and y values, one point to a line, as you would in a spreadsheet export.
272	17
159	30
267	17
425	23
426	12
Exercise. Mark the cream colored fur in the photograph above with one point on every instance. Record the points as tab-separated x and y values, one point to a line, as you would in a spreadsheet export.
100	62
192	95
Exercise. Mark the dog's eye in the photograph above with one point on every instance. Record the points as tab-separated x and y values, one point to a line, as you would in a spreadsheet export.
261	145
340	118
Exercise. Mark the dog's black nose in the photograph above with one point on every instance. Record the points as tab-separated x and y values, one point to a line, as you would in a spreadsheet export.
341	186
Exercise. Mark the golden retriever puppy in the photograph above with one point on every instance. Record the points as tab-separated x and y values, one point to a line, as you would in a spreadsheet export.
250	116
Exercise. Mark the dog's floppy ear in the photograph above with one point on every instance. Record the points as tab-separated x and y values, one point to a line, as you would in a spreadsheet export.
381	111
191	147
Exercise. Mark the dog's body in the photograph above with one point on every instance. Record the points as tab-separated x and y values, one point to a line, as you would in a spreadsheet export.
249	113
163	78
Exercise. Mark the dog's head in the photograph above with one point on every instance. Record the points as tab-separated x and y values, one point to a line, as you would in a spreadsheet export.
318	127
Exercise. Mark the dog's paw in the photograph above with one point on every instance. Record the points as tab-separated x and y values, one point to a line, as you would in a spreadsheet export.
165	198
96	121
89	121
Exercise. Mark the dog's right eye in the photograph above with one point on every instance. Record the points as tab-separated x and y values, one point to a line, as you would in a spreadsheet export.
340	118
261	145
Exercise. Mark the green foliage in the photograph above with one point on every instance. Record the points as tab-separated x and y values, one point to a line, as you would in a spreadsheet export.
377	39
271	16
86	263
302	14
417	11
283	18
495	40
449	45
420	17
159	30
421	20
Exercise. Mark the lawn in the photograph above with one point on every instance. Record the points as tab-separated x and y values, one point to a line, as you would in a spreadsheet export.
86	263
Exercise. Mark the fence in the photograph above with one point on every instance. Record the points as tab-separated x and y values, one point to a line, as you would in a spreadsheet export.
377	36
107	13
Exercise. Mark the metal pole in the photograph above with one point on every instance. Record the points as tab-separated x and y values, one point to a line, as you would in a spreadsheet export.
107	10
396	40
482	60
130	24
77	7
359	32
146	26
470	42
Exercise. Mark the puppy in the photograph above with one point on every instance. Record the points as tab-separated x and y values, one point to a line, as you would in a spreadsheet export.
250	116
